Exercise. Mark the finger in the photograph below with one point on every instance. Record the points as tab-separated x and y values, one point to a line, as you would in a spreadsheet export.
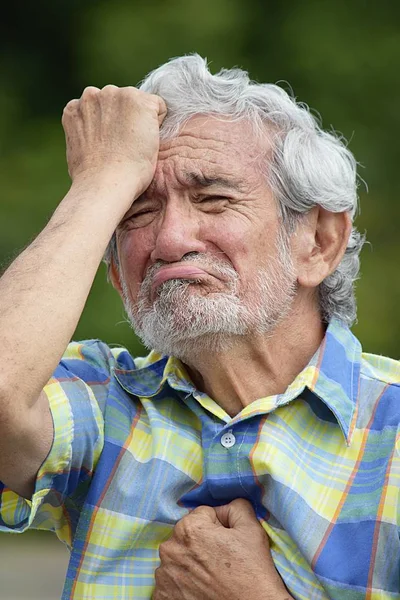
200	519
70	110
109	91
162	110
205	512
237	514
72	105
89	92
89	99
89	103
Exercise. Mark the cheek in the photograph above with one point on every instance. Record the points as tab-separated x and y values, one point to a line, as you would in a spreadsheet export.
244	249
239	253
134	254
249	252
229	238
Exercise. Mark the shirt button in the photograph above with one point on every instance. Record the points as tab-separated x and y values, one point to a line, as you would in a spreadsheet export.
228	440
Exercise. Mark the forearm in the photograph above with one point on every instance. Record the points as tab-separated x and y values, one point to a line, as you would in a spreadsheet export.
43	292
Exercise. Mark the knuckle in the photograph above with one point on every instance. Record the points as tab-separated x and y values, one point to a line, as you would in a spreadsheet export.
158	574
154	97
185	529
155	101
110	89
144	98
163	551
90	92
72	104
70	108
202	510
129	90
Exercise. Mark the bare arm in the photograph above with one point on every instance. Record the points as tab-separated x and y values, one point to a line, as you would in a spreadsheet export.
112	146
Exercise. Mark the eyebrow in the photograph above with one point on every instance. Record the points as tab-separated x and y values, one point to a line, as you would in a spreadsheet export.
200	180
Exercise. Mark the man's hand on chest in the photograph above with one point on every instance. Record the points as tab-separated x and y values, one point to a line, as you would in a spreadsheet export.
218	553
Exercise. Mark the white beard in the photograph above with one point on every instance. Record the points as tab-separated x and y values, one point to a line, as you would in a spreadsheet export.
182	322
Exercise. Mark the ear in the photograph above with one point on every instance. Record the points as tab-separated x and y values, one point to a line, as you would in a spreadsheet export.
321	244
113	274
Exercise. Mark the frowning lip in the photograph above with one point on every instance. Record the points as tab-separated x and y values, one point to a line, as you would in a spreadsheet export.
182	271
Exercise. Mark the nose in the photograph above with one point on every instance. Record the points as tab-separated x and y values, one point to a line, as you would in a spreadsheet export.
177	234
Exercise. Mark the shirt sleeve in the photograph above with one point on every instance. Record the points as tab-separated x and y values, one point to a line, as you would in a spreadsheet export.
77	394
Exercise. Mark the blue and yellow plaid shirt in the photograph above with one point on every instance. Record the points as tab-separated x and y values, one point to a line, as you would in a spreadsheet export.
137	446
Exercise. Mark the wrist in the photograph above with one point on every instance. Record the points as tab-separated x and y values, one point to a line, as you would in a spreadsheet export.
116	175
94	204
108	192
114	179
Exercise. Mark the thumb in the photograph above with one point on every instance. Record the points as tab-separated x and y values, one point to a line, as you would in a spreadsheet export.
162	110
238	514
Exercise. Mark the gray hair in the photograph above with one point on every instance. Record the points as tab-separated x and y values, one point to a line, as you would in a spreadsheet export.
305	168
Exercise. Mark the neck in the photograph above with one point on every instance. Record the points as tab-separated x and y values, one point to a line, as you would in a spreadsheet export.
259	366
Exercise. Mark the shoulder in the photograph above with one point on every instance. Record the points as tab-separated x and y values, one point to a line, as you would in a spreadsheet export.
381	369
94	353
95	361
379	393
87	358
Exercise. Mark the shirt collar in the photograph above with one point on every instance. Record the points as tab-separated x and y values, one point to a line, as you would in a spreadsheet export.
146	377
332	375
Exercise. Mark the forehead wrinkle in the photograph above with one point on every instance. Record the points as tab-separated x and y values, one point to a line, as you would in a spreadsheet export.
212	160
203	180
204	157
194	141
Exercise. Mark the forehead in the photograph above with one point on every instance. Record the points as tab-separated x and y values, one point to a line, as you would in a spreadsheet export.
210	147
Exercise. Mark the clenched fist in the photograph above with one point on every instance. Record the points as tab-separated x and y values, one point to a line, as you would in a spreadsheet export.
218	553
114	131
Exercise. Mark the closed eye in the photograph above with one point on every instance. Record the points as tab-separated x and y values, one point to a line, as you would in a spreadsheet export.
212	200
145	211
141	217
212	203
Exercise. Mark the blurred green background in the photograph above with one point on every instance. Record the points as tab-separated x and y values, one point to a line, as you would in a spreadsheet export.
340	57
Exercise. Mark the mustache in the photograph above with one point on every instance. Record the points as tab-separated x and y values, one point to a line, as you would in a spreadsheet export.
219	267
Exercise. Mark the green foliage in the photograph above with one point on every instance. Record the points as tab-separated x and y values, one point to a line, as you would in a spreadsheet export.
340	58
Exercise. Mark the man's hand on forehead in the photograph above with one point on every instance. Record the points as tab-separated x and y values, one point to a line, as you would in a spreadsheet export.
114	132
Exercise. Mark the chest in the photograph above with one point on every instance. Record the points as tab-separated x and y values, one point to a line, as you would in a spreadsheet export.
329	510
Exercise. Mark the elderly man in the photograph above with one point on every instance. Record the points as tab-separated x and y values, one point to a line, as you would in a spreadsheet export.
252	453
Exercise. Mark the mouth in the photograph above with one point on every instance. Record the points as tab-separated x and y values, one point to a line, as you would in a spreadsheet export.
166	273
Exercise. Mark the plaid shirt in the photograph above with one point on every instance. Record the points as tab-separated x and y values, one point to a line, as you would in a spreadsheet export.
137	446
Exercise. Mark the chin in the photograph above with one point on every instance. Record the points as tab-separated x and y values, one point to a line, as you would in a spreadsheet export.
189	348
